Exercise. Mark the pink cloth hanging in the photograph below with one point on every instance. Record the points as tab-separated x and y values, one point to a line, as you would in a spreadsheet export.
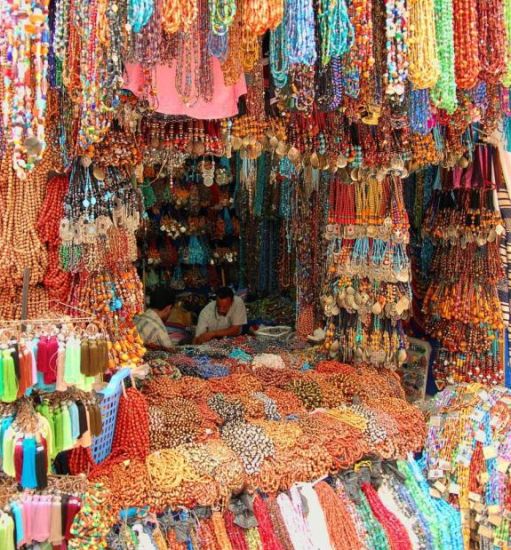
223	104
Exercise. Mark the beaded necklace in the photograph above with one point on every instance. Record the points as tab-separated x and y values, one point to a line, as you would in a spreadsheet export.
424	67
419	111
360	59
221	13
506	79
279	60
139	13
443	94
300	32
466	42
25	66
335	28
396	30
492	40
179	16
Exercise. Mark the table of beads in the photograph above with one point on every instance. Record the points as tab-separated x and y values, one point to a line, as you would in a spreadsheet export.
367	292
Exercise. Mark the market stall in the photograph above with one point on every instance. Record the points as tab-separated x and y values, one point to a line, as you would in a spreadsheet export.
342	167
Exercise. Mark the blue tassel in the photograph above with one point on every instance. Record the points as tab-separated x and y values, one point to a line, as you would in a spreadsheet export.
28	472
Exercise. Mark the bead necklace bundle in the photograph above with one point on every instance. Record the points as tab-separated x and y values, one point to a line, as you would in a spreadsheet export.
462	305
118	296
88	40
467	457
92	523
360	58
424	66
491	23
368	271
56	280
444	93
102	213
20	244
396	29
24	61
466	40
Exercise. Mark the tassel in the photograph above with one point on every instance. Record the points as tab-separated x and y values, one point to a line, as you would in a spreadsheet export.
28	472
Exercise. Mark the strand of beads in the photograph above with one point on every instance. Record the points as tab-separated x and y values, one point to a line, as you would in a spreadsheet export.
396	30
492	39
279	60
424	67
336	30
222	13
25	66
506	79
443	94
466	42
300	32
361	56
419	111
139	13
179	15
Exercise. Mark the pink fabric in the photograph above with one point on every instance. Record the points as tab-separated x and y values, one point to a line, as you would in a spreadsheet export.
225	98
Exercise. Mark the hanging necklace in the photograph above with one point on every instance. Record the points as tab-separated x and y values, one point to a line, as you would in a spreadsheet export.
360	60
279	61
139	13
419	111
492	39
25	67
335	28
221	13
443	94
397	54
507	24
424	67
300	32
466	43
178	15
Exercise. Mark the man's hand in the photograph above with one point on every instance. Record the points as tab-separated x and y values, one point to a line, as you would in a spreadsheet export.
203	338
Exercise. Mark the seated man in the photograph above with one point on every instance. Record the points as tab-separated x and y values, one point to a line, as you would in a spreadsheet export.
223	317
151	324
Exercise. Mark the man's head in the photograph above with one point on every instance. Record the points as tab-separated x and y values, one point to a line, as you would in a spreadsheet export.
162	301
224	300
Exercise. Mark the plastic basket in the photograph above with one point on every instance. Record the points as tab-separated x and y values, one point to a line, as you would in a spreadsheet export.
102	445
273	333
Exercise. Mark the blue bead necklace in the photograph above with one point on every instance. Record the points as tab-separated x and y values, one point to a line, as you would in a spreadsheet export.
300	29
419	111
139	13
335	28
279	59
